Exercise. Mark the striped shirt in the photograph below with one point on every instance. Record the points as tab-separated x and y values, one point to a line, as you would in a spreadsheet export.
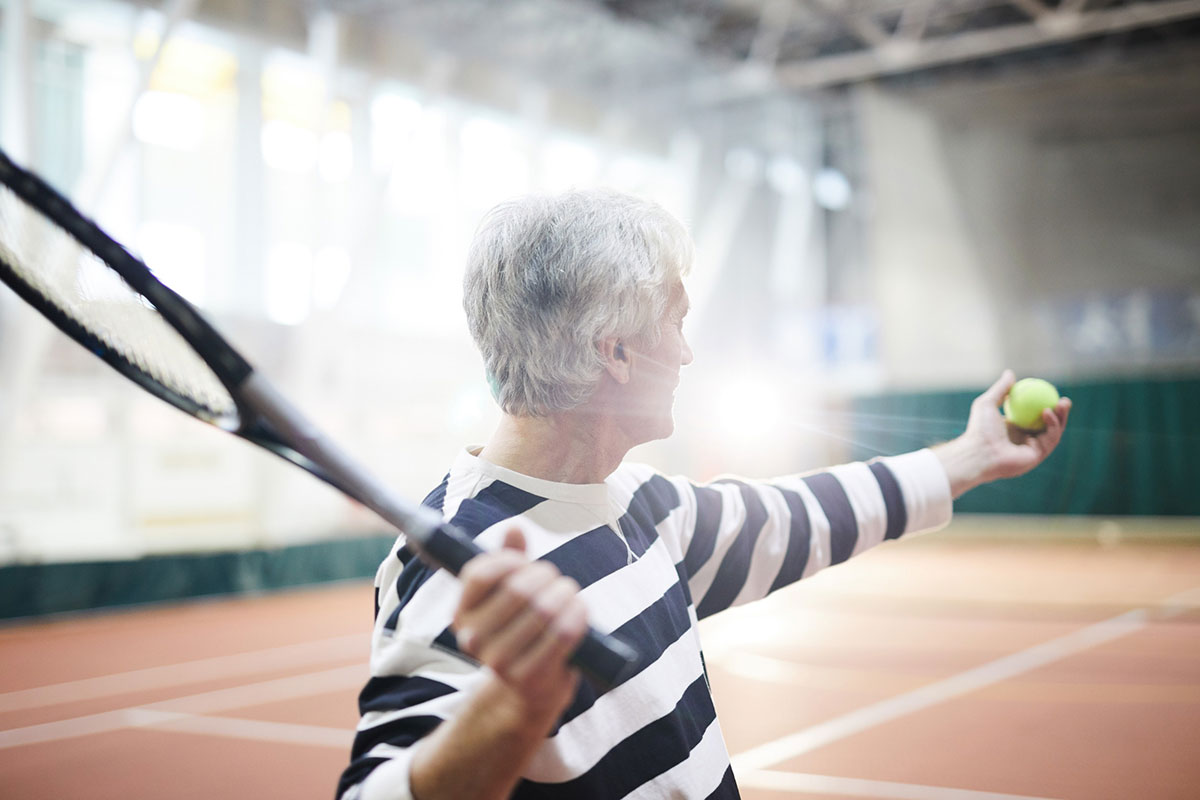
653	555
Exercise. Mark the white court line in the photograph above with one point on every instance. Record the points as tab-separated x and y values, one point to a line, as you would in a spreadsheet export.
335	649
858	787
170	711
811	738
63	729
262	731
273	691
257	730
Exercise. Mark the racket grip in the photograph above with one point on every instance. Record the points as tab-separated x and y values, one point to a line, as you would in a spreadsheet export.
604	660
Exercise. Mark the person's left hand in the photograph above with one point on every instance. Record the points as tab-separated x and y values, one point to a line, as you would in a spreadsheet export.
991	448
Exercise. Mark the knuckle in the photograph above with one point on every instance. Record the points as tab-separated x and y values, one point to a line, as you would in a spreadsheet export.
565	633
543	571
522	679
531	579
515	593
500	661
470	571
544	611
485	568
570	628
544	608
557	599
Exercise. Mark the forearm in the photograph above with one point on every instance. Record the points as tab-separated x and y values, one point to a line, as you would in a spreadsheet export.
966	463
480	753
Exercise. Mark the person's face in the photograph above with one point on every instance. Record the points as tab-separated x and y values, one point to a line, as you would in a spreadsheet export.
654	373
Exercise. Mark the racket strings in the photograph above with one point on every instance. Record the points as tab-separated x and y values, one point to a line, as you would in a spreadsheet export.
84	289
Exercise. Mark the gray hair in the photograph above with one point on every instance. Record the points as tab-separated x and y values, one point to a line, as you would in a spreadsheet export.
550	276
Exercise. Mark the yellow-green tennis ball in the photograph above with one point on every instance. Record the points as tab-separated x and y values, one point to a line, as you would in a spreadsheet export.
1025	402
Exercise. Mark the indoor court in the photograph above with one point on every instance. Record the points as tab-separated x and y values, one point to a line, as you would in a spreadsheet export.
891	202
916	673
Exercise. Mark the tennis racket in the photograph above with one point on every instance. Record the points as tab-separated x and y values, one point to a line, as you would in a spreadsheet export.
105	298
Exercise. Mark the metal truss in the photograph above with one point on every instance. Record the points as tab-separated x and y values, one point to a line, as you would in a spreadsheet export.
856	40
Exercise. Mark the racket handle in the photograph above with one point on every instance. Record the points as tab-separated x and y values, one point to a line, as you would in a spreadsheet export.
604	660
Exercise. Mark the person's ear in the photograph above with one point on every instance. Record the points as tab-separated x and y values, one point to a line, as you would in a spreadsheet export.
616	360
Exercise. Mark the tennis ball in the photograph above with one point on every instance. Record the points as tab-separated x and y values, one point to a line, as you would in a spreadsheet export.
1025	402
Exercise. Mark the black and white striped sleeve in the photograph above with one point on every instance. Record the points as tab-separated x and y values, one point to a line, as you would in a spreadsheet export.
742	540
418	679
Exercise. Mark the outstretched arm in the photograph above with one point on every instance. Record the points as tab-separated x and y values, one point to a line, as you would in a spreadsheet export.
991	449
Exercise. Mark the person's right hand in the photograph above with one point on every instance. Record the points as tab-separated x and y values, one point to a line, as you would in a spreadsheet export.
523	619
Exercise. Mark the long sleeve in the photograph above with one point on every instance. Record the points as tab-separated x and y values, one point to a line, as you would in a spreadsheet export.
741	540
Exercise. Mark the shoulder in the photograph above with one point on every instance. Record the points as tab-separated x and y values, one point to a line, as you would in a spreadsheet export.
631	474
474	501
652	499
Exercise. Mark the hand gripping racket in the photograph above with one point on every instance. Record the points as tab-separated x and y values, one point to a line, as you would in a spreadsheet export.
106	299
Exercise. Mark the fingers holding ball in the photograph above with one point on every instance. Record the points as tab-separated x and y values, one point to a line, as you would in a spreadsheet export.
1025	402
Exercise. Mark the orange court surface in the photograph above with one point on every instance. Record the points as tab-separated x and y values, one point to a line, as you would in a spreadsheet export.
995	660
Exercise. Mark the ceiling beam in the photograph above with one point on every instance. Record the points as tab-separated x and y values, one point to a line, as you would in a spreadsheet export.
874	62
914	17
773	22
863	26
1035	9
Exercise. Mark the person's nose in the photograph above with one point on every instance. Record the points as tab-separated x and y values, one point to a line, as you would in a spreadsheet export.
685	354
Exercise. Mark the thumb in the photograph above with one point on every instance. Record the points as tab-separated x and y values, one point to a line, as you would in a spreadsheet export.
514	539
995	393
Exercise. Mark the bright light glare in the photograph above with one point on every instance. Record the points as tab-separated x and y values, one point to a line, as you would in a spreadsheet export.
335	159
831	189
169	119
629	172
175	254
288	147
568	164
493	165
289	283
394	120
330	271
418	181
74	418
748	408
743	164
785	175
470	407
485	135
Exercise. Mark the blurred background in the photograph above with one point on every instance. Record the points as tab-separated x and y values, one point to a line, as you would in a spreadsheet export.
892	201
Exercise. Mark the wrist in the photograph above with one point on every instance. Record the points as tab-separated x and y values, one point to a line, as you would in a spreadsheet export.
481	752
523	715
966	463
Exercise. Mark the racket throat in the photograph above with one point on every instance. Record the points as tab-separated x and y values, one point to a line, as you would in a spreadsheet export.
278	425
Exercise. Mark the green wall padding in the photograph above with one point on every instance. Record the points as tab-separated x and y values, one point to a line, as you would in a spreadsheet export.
29	590
1131	448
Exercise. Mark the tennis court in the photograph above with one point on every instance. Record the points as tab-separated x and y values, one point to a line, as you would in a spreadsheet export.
275	217
1047	663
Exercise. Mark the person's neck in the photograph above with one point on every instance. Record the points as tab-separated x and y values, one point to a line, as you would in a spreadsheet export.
569	447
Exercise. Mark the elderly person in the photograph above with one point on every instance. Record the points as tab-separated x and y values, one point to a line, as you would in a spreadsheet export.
577	303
